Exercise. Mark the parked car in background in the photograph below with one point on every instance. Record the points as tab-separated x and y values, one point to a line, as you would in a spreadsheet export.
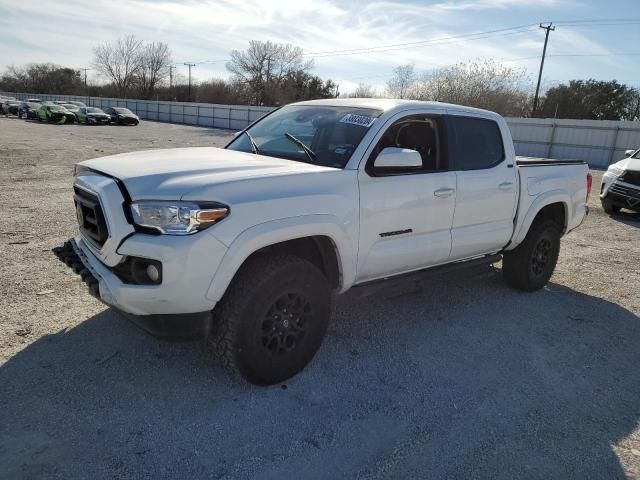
92	116
10	107
621	184
28	110
78	104
71	107
55	113
122	116
33	100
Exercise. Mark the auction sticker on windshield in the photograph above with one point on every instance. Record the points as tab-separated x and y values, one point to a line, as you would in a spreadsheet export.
362	120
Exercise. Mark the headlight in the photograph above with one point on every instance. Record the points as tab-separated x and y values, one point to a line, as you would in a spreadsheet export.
177	218
81	170
615	170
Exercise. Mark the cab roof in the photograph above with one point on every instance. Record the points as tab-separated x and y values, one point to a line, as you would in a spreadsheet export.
391	105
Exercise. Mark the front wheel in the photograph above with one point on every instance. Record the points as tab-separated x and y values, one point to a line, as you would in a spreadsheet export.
530	265
272	319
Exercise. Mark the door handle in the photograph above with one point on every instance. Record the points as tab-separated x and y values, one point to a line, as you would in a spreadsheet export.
506	186
444	192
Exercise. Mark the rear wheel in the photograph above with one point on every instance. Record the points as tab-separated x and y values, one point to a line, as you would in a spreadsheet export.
530	265
608	207
272	319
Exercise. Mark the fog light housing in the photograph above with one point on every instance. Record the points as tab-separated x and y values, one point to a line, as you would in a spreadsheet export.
139	271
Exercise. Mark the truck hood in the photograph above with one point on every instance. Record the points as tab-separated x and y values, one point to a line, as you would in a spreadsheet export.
171	174
629	164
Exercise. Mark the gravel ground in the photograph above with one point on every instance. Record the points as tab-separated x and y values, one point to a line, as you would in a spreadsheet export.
457	377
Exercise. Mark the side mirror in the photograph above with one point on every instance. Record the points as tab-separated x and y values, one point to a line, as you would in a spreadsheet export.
628	153
398	158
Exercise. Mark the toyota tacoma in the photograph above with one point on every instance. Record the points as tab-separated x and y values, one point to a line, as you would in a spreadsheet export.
245	244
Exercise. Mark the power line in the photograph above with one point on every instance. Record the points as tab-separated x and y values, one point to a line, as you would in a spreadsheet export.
597	20
565	55
500	32
422	41
425	43
469	37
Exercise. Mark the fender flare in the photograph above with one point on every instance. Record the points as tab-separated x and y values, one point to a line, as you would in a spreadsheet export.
554	196
282	230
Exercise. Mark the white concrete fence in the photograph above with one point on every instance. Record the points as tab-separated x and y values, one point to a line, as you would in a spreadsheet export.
599	142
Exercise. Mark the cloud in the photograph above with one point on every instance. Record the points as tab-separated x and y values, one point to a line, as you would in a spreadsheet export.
199	31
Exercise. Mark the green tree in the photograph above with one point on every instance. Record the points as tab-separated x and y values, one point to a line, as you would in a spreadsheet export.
591	99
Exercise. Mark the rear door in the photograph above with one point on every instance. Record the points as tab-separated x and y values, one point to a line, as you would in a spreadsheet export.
486	184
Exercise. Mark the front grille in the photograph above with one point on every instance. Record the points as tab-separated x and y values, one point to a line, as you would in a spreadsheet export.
631	177
90	217
624	191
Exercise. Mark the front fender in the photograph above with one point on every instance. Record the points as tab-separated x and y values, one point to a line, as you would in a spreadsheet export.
522	226
282	230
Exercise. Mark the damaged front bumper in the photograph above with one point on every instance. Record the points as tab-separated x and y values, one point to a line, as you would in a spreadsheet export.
176	326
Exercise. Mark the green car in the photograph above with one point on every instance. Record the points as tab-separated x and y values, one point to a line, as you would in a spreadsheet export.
55	114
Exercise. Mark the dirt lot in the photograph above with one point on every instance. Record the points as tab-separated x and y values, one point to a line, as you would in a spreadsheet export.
461	378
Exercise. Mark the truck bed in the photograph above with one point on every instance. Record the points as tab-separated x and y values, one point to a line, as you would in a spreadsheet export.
551	181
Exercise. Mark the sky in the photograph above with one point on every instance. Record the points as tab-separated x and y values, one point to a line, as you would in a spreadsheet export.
365	40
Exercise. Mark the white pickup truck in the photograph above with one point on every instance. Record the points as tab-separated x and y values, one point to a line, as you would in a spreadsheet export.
245	244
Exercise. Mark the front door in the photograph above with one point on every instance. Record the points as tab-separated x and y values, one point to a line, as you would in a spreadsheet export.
406	216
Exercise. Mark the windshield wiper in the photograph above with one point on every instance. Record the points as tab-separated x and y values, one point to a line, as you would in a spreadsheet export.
254	145
312	156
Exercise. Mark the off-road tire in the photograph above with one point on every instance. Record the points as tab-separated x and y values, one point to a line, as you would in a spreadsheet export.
530	265
250	325
608	207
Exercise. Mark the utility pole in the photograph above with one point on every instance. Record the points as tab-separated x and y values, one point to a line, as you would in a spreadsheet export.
86	89
190	65
548	29
171	67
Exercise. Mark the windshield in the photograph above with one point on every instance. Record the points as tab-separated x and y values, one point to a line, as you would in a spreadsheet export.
331	133
123	110
94	110
57	108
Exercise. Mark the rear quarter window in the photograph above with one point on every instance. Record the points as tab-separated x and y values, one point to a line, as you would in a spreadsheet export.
478	143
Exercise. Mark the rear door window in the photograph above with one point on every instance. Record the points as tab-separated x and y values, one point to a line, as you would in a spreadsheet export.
477	142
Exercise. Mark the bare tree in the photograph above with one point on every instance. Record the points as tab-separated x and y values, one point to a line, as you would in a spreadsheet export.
363	90
482	84
155	59
120	62
403	78
264	66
